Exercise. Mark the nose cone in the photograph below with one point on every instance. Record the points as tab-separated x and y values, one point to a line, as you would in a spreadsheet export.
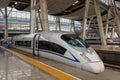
96	67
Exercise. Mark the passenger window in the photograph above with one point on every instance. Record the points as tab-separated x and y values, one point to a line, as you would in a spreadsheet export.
23	43
51	47
27	43
19	43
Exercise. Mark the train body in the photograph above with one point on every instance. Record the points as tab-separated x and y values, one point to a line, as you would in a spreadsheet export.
65	47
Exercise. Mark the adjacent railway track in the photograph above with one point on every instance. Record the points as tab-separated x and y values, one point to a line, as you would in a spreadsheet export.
111	66
111	59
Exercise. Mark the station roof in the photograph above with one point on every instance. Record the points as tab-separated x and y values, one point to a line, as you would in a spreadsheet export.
72	9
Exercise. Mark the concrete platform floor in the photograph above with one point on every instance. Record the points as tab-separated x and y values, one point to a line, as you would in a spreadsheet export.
108	74
13	68
29	72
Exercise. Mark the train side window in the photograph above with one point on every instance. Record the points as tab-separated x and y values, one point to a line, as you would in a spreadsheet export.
51	47
27	43
19	43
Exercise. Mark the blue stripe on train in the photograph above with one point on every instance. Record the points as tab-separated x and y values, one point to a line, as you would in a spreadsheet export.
47	51
74	58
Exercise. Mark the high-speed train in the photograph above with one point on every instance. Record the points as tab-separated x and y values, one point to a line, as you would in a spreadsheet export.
65	47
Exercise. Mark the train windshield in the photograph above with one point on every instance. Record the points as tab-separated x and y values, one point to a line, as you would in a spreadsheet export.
74	40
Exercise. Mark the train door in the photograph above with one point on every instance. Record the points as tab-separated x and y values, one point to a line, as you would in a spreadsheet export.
12	42
35	44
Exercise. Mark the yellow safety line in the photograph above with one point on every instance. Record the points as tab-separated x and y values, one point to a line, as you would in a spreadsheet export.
57	73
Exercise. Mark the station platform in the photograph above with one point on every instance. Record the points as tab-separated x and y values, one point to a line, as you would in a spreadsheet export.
110	48
30	69
14	68
31	72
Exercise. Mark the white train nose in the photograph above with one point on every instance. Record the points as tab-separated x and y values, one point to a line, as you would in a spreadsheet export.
96	67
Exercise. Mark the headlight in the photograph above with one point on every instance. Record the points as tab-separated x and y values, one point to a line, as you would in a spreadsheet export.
85	57
89	51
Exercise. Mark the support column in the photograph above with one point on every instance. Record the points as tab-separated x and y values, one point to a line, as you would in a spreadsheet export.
100	24
37	27
118	34
107	23
87	2
112	34
33	17
113	29
118	23
58	23
6	24
44	14
117	18
6	15
89	24
106	31
39	15
90	21
72	25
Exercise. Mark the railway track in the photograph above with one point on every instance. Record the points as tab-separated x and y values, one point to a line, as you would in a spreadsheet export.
112	66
